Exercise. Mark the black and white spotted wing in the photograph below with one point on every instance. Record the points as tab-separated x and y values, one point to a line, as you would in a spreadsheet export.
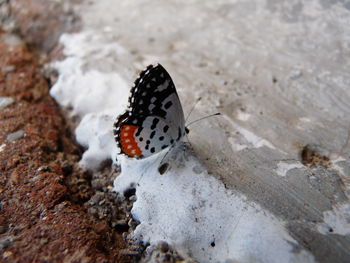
154	119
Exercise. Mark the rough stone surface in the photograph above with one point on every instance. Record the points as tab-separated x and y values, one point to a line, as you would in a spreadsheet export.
39	22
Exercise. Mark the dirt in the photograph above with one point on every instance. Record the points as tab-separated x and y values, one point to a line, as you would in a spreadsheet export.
314	156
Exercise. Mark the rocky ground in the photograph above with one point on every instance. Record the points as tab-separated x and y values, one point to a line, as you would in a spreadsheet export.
48	205
51	211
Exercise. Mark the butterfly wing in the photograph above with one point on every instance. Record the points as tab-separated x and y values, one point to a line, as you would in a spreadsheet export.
154	93
142	141
155	118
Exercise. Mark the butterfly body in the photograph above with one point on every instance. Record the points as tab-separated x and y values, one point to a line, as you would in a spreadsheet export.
154	119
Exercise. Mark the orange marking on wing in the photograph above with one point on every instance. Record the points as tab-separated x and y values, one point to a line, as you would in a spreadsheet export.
127	139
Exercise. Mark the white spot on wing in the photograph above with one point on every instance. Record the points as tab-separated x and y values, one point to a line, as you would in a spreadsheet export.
163	86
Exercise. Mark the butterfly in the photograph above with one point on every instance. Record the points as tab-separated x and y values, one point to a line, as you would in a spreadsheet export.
154	119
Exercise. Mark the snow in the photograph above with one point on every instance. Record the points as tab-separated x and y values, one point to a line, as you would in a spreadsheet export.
284	167
95	96
185	206
336	221
194	212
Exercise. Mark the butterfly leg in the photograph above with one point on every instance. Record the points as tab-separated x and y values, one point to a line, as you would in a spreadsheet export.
163	167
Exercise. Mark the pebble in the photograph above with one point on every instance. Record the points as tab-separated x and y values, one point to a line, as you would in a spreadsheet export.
12	40
35	178
15	136
9	68
163	246
6	241
133	198
7	254
44	168
5	101
3	229
2	147
44	241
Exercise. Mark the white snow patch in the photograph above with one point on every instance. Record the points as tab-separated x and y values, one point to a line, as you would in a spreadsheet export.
336	166
336	221
95	133
97	97
235	145
193	211
243	116
185	206
249	136
283	167
255	140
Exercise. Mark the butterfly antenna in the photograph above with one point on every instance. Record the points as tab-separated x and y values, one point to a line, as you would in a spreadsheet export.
215	114
163	167
188	140
198	100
